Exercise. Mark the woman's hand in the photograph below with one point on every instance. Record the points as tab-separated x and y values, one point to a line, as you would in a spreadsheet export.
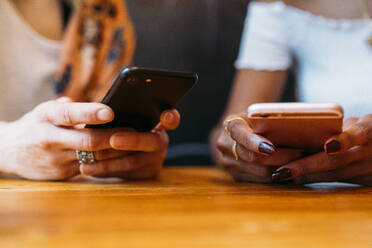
257	157
41	145
347	157
145	152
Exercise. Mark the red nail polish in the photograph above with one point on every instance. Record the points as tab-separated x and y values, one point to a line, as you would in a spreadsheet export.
265	147
333	146
281	175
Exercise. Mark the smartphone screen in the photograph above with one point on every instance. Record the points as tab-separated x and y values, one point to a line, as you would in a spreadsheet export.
138	96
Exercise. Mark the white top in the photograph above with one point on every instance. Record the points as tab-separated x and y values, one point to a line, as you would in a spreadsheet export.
334	60
28	63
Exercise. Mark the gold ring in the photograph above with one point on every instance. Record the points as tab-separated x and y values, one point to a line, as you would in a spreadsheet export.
230	120
234	150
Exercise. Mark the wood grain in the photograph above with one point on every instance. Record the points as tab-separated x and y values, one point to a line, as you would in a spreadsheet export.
185	207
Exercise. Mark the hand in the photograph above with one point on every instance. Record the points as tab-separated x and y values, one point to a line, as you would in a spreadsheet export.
41	145
347	158
258	158
145	152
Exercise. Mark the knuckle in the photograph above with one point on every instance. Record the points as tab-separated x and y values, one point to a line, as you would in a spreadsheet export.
245	140
66	116
233	127
249	156
89	142
301	169
41	110
220	143
45	139
62	172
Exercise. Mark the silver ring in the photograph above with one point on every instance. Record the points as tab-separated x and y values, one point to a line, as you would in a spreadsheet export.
85	157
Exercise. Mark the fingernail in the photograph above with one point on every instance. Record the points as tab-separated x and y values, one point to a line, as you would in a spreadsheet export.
281	175
265	147
104	114
333	146
87	169
168	117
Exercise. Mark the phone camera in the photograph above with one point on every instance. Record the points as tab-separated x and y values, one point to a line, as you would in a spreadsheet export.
132	80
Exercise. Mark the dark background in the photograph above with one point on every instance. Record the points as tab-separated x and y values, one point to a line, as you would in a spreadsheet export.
202	36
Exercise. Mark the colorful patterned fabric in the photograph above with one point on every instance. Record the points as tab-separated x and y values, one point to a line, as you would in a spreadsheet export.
98	42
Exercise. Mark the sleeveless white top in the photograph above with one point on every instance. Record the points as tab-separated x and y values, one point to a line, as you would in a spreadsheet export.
333	58
28	63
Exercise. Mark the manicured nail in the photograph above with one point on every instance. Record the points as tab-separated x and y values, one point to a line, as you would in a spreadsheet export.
87	169
333	146
265	147
281	175
104	114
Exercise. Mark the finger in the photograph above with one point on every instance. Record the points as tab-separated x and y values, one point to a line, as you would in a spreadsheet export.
109	154
70	155
71	114
137	141
321	162
84	140
355	135
355	170
241	132
279	157
169	120
58	172
118	165
240	167
349	122
72	169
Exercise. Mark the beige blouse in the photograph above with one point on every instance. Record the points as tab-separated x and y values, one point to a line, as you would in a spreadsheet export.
28	63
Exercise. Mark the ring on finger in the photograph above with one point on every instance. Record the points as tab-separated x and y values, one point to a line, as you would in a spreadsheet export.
230	120
85	157
235	144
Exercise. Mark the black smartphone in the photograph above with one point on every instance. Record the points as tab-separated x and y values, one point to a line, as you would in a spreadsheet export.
138	96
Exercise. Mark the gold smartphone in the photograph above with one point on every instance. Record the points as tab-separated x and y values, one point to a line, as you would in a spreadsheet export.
296	125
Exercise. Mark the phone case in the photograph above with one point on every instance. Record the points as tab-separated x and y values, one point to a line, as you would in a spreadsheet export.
296	125
138	96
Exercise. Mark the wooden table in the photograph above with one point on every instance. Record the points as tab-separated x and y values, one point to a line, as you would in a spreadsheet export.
185	207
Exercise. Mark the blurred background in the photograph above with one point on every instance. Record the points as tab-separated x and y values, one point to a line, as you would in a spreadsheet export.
201	36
